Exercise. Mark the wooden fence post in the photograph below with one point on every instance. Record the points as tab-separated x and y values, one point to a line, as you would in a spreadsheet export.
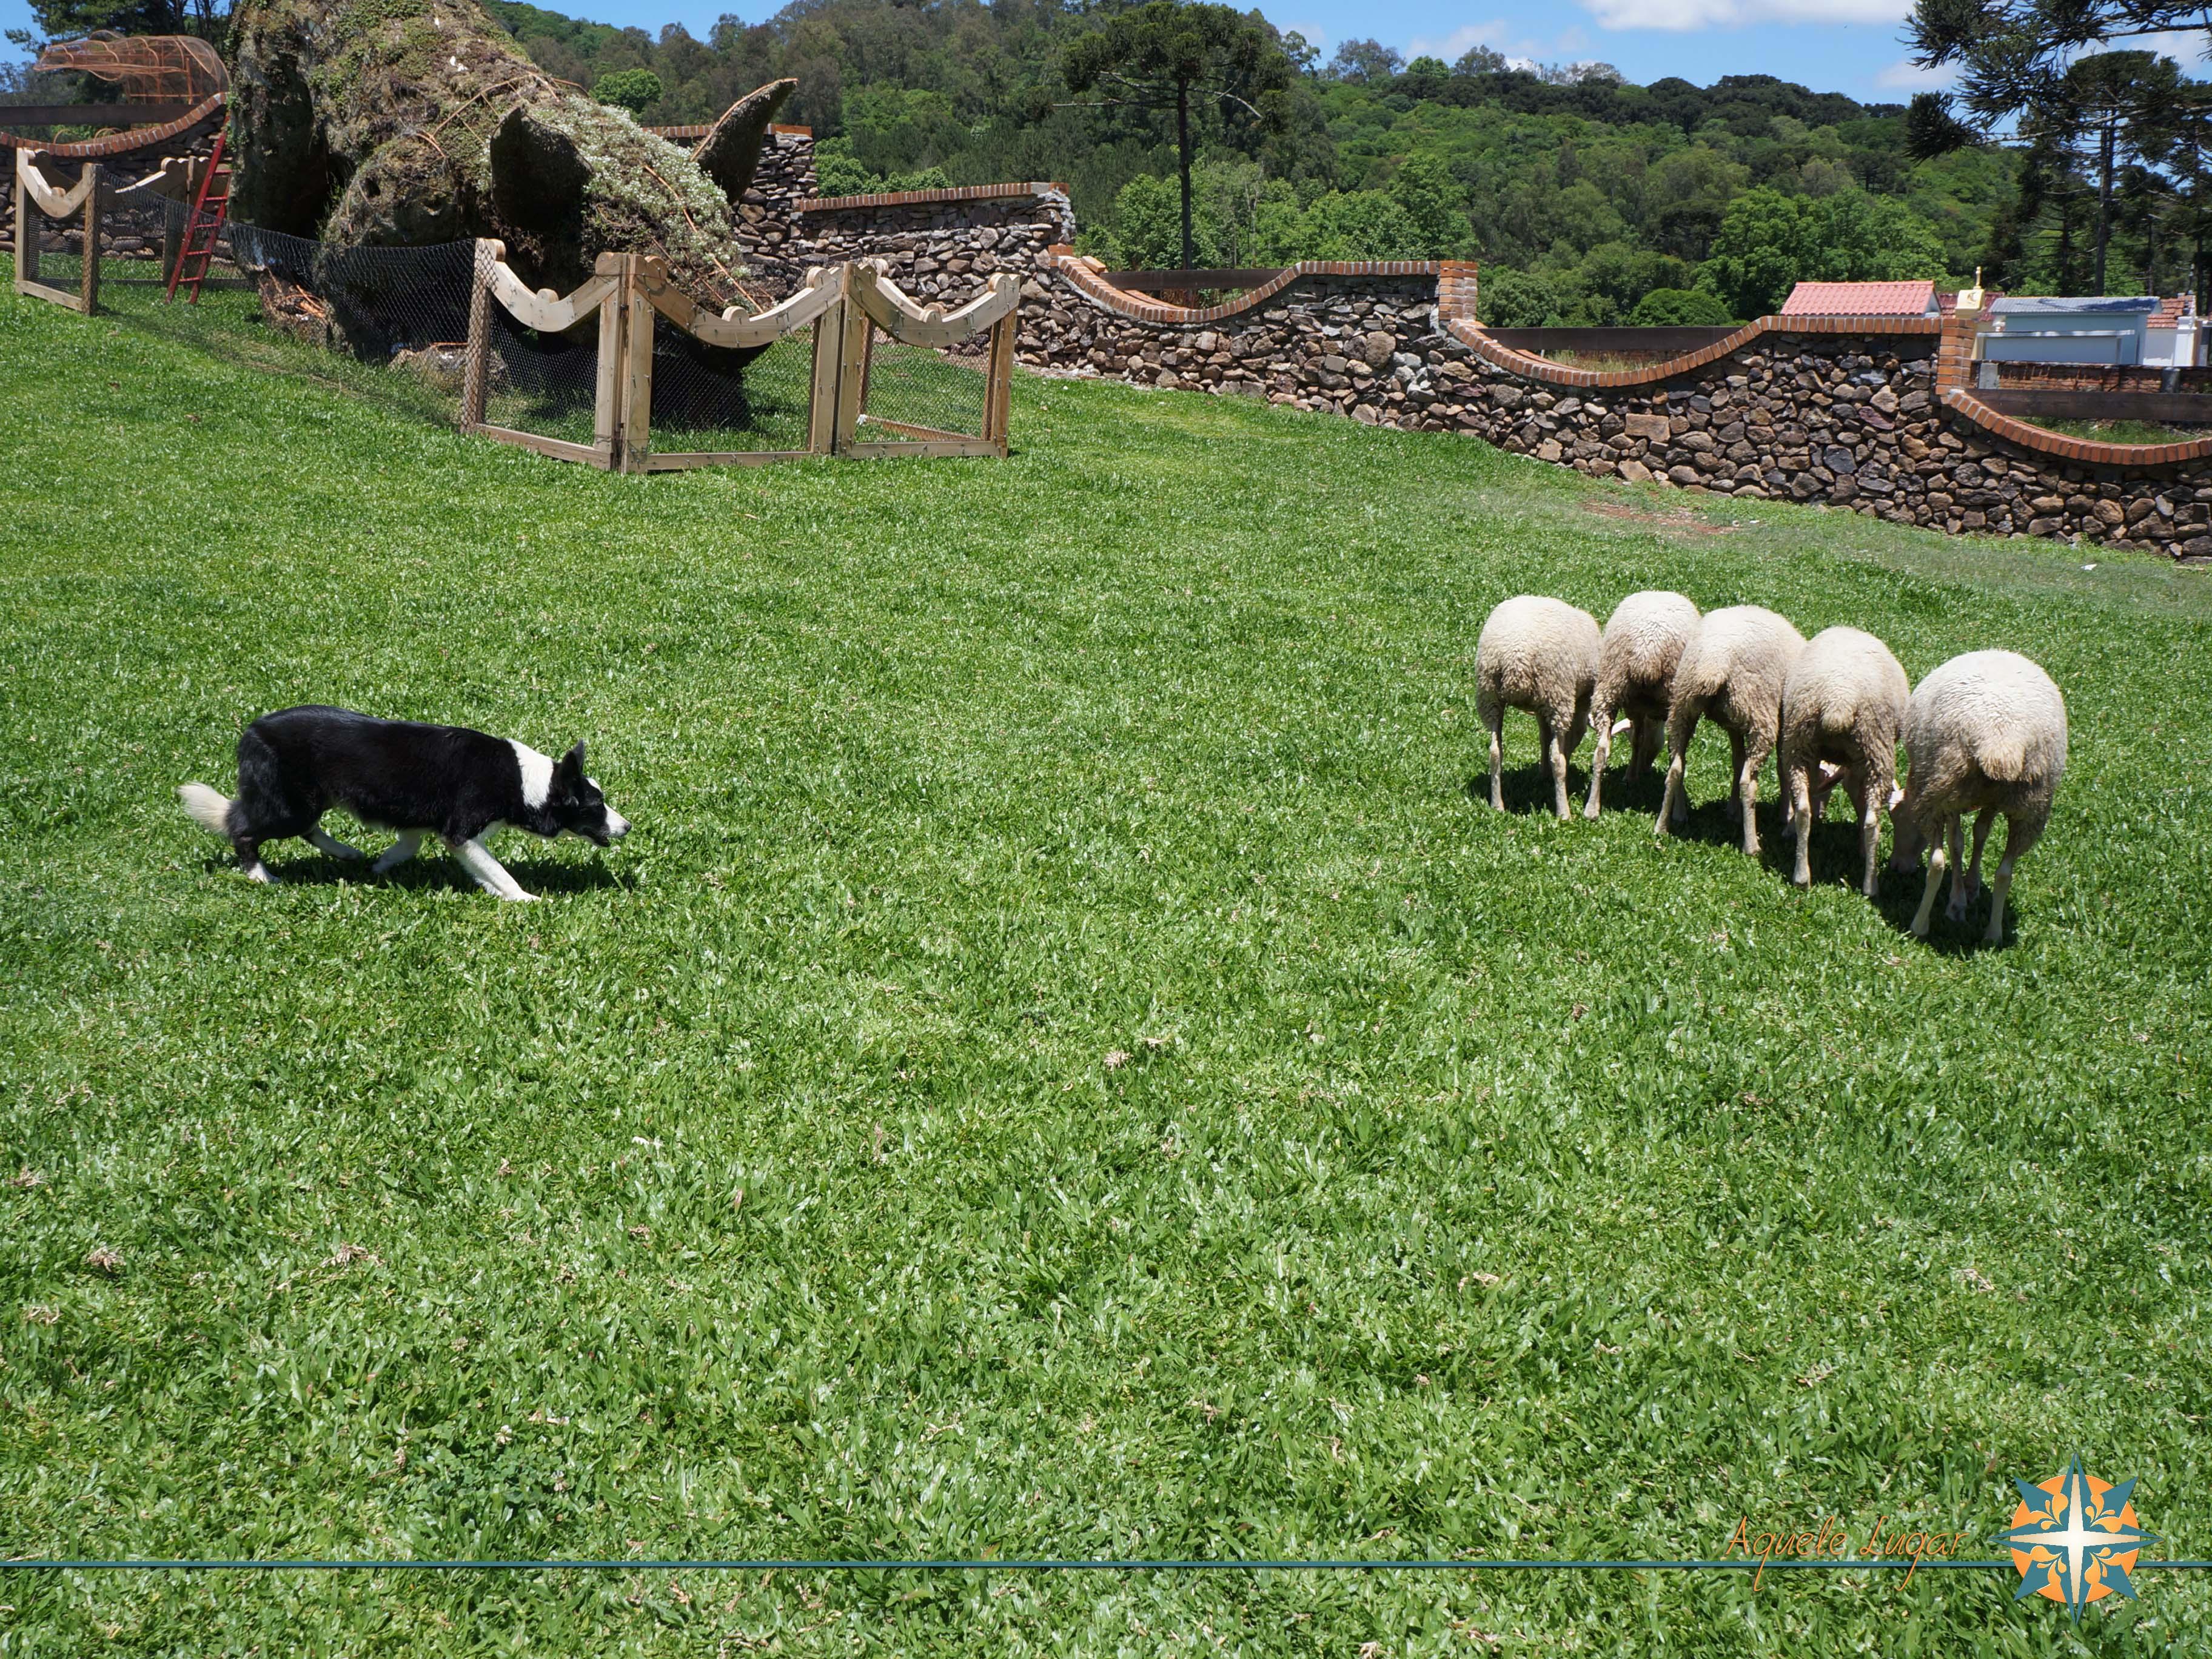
606	403
853	350
476	371
828	357
27	234
999	387
637	366
88	278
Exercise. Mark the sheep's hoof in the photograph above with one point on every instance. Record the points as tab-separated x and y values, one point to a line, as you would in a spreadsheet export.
1955	910
1801	882
1920	927
1995	935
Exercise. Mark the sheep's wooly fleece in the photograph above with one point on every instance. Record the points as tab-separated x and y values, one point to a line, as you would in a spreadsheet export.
1733	675
1843	703
1541	656
1986	733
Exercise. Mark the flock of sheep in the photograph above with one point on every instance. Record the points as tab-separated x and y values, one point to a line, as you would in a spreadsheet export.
1985	734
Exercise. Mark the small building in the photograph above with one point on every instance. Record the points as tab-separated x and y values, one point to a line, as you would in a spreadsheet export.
1861	299
2176	336
2076	330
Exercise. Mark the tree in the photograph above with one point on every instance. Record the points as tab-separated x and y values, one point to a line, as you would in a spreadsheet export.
2013	53
636	90
1480	60
1434	203
1770	242
1679	308
1365	63
1168	55
1514	299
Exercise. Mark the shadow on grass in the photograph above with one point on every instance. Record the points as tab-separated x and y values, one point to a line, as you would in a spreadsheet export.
429	871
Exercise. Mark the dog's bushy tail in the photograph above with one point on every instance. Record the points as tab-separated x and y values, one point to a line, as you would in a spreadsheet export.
206	808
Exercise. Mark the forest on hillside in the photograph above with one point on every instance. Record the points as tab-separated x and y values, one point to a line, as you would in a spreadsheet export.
1589	200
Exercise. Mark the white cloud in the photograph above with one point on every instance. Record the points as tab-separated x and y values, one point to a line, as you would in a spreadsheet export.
1906	75
1458	42
1686	15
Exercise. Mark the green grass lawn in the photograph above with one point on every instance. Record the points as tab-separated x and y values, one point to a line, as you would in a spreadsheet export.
1063	1066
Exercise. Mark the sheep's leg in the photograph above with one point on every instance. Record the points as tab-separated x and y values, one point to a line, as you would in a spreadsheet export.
1735	776
1935	880
1798	782
1754	757
1674	804
1982	827
1602	720
1648	734
1555	762
1866	800
1493	716
1956	909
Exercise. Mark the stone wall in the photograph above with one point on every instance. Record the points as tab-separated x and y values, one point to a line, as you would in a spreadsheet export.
1869	413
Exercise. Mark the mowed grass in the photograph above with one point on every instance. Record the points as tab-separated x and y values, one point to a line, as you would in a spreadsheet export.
1063	1066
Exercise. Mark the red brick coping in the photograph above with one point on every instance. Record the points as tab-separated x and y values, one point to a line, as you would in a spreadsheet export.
1085	274
125	142
696	130
1472	334
2085	450
925	197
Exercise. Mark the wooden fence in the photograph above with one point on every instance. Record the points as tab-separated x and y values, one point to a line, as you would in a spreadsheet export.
36	200
844	309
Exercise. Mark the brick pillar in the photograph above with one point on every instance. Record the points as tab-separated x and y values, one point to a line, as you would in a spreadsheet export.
1457	290
1954	356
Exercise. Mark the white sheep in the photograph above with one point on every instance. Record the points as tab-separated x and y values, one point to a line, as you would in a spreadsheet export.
1541	656
1732	673
1986	733
1842	706
1644	639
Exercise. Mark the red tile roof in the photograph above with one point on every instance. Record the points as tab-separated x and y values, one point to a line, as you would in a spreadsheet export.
2170	312
1860	299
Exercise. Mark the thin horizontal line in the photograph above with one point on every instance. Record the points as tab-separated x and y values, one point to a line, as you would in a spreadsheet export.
1739	1565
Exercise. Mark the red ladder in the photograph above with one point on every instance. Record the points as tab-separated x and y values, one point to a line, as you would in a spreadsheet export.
210	209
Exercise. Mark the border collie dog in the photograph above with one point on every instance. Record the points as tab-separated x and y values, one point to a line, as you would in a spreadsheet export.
443	781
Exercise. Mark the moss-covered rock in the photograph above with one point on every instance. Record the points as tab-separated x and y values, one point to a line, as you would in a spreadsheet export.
403	123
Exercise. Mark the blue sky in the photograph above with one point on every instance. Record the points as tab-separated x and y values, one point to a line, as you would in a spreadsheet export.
1831	46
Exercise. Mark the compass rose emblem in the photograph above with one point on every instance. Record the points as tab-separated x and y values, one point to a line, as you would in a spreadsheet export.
2074	1538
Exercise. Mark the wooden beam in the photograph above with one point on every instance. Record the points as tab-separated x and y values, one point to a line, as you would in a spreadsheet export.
679	460
92	115
88	278
2179	408
559	448
871	451
999	383
889	309
476	373
637	368
606	396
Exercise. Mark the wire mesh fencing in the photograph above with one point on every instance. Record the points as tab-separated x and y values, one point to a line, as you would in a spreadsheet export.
624	372
920	392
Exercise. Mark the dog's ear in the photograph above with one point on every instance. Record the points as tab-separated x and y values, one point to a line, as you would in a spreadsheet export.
572	763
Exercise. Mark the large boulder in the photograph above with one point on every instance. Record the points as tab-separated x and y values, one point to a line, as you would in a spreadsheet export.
407	122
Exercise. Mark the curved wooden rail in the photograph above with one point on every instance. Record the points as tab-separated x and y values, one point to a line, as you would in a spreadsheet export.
889	308
51	199
542	308
821	290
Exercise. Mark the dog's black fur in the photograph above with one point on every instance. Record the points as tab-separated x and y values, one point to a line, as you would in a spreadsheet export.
446	781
